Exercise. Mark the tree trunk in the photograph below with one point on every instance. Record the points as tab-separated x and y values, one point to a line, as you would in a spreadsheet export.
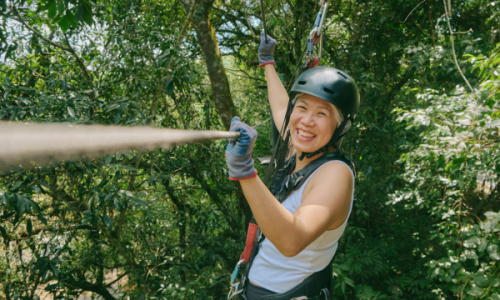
206	37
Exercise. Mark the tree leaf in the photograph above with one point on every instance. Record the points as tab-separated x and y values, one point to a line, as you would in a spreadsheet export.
17	185
117	204
52	10
60	7
140	202
107	221
42	219
117	117
108	196
4	235
35	206
64	23
21	206
495	123
71	19
71	112
79	13
102	183
29	227
87	15
51	287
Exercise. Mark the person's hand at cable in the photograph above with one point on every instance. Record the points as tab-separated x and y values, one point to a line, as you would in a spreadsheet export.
239	151
266	50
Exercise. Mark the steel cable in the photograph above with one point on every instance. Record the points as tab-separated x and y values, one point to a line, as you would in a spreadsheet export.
22	144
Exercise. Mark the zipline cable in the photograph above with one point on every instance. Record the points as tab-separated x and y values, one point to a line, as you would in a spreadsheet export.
25	143
263	18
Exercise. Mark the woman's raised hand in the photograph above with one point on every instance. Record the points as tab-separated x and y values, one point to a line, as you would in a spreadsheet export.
266	50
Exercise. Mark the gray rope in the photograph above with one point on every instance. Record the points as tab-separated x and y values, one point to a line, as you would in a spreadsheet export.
22	144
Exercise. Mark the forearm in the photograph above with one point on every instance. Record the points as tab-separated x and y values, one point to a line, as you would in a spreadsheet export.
277	95
282	228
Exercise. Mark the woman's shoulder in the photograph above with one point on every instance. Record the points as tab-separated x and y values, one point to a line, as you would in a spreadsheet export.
332	175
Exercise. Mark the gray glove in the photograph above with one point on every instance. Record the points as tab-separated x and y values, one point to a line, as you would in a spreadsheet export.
239	151
266	50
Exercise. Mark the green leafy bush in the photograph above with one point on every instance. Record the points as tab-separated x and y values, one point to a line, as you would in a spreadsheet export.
452	178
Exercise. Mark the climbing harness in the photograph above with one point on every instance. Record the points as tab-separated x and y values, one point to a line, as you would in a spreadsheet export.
316	35
282	185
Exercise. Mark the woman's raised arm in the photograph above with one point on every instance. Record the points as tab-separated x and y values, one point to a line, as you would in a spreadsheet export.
277	95
276	92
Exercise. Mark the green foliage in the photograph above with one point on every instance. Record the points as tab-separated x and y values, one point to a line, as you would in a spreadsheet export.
162	224
452	179
168	224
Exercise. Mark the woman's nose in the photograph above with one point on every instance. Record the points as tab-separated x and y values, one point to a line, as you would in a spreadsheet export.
308	119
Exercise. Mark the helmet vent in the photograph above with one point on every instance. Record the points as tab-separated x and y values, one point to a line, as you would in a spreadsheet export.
328	91
343	75
302	82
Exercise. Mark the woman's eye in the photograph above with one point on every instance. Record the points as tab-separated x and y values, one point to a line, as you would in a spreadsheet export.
322	113
302	107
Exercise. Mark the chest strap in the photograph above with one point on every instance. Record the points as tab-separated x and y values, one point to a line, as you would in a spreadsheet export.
282	185
284	182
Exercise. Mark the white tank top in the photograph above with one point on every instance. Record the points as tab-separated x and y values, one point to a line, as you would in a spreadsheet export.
278	273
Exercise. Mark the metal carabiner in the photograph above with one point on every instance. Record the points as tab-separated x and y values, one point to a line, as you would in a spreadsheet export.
234	291
315	35
235	287
320	30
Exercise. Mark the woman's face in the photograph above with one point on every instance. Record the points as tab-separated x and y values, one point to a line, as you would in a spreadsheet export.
312	123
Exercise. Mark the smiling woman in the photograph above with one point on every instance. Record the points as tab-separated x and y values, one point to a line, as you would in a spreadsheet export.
305	212
312	122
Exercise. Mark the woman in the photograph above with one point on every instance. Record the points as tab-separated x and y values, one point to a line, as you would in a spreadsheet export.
302	233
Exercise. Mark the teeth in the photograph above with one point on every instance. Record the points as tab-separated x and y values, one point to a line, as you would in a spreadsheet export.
305	134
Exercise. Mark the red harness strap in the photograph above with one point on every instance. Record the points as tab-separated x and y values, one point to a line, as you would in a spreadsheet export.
251	234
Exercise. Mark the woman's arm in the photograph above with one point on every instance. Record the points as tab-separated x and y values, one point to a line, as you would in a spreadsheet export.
277	95
325	205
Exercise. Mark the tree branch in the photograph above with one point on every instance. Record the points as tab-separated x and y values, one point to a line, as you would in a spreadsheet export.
20	20
412	11
446	10
87	286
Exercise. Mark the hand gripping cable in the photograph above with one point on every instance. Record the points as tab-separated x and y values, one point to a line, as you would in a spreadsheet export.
23	144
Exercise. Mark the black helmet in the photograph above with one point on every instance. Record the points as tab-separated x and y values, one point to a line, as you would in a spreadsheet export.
335	87
331	85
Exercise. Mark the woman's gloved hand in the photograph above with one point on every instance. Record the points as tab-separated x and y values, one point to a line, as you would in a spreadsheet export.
266	50
239	151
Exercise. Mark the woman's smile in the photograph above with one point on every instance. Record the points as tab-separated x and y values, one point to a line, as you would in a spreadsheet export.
305	134
313	122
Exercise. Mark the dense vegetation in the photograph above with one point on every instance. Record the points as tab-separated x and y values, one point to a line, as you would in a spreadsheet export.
169	224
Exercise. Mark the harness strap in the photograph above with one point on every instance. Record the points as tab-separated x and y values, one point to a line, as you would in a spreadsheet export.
293	182
251	234
281	187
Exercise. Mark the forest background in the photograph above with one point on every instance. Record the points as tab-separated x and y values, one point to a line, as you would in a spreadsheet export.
169	224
